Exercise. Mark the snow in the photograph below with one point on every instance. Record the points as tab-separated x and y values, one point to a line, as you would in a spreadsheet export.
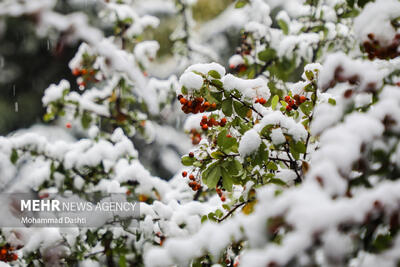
342	67
235	61
250	89
206	67
277	136
249	143
287	125
376	18
191	80
55	92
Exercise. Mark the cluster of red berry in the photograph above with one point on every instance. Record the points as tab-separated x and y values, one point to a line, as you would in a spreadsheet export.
295	102
209	122
6	253
261	100
87	76
239	67
195	105
195	136
220	194
375	50
245	45
193	184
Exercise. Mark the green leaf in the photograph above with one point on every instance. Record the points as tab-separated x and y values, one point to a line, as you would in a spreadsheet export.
240	3
267	55
217	155
187	161
277	181
219	213
283	25
184	90
227	182
272	166
212	176
362	3
332	101
214	74
310	75
217	83
240	109
234	167
122	261
227	107
274	101
228	144
14	156
86	119
300	147
306	108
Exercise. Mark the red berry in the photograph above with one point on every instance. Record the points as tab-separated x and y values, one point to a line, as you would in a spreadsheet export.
222	122
179	97
84	71
262	101
204	118
223	198
213	105
191	177
232	66
206	104
68	125
191	154
257	100
184	174
14	257
228	135
205	127
302	99
287	98
296	97
288	108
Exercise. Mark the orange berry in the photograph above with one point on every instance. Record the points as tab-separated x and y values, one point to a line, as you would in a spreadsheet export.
76	72
206	104
184	174
84	71
302	99
205	127
3	251
213	105
262	101
287	98
183	101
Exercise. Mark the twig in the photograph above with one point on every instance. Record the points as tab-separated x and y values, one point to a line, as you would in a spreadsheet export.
232	211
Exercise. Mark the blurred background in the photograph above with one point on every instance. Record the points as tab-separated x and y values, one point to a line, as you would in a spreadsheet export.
29	64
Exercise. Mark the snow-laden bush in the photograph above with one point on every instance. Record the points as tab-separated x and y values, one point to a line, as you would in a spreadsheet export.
295	158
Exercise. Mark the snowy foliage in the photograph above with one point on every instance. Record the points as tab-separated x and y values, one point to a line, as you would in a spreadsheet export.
295	154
